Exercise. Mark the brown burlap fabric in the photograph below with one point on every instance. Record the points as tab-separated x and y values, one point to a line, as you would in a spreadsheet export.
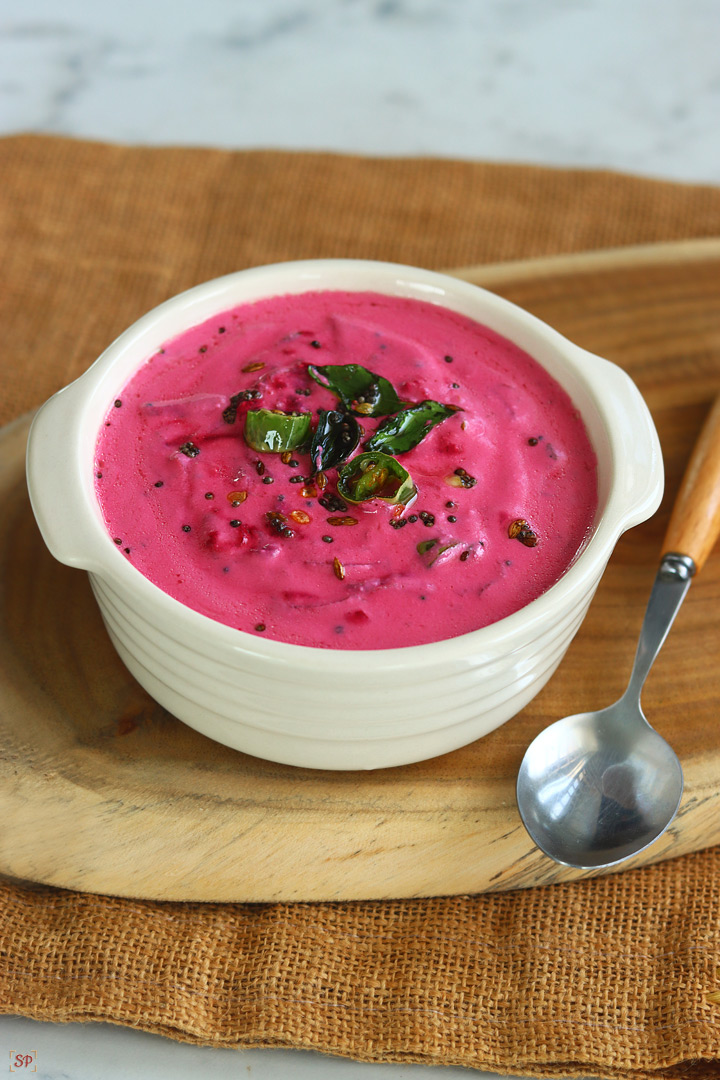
616	977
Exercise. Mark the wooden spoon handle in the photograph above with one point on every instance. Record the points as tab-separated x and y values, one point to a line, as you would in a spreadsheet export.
695	520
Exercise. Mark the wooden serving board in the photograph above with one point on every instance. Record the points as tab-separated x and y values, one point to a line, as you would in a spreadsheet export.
101	790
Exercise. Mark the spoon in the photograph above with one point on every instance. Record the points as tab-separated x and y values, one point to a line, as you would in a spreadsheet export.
596	788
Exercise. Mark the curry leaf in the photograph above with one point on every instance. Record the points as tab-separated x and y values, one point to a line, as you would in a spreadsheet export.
361	391
403	432
336	436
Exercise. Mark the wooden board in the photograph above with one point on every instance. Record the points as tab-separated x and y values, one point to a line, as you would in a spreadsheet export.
101	790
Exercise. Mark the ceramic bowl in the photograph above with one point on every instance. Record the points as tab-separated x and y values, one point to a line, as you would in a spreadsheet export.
264	697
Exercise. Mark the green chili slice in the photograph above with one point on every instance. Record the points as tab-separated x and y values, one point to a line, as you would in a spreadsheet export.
375	476
431	550
271	431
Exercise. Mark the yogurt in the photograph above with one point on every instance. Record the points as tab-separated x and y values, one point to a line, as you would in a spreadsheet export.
500	498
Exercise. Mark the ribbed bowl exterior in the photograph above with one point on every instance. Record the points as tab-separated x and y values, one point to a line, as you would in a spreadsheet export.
311	719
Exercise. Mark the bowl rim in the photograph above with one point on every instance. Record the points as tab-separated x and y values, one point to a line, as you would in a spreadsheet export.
218	294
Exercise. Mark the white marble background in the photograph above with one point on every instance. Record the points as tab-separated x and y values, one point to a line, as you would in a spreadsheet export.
632	85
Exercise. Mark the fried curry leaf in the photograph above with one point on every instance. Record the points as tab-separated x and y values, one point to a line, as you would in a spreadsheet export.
404	431
272	431
375	476
336	436
361	391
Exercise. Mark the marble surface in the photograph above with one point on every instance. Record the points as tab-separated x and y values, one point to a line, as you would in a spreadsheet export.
103	1052
633	86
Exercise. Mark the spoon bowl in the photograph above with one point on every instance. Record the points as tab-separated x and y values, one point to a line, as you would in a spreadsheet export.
599	787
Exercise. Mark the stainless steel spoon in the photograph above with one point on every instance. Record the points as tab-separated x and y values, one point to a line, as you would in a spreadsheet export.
596	788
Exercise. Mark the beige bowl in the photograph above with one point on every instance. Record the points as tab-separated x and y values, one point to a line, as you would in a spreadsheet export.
263	696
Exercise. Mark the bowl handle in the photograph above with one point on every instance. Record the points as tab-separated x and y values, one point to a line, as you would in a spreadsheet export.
59	498
635	446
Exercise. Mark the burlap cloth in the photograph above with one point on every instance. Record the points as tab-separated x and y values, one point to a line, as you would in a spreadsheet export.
615	977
